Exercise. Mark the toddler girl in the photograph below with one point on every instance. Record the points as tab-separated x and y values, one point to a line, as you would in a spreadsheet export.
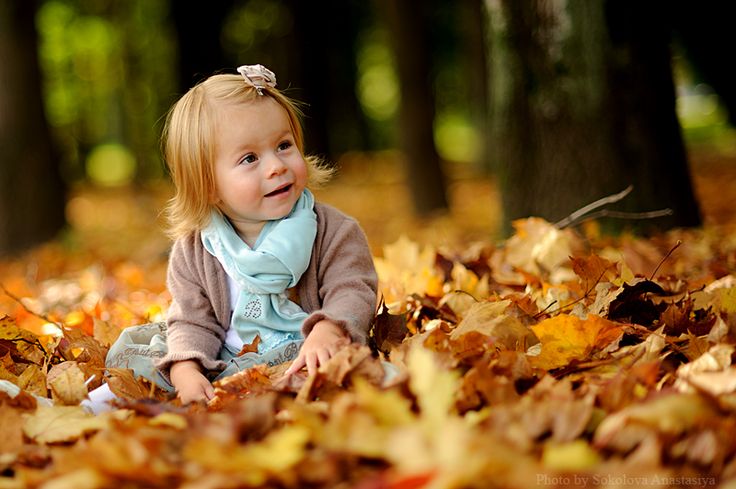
255	261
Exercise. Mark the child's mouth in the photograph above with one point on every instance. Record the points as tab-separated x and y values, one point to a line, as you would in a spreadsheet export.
279	191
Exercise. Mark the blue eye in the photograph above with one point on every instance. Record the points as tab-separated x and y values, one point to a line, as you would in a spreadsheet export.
248	159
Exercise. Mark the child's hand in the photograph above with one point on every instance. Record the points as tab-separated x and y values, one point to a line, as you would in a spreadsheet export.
325	339
190	384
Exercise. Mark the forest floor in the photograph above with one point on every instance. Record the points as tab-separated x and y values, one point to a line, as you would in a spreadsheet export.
591	362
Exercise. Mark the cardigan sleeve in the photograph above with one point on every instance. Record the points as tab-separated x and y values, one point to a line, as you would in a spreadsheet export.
193	329
347	280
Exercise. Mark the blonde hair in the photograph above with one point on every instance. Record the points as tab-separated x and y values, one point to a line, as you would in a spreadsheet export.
189	147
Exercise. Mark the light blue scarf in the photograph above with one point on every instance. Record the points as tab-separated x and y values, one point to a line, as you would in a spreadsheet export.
276	262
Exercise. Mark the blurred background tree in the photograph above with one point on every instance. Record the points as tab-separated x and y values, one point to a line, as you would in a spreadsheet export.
31	191
563	101
584	106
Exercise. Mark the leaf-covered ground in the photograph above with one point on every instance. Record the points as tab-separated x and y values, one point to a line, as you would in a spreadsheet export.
556	358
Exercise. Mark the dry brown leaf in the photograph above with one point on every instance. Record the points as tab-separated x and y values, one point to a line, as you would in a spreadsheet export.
490	319
59	424
593	269
25	343
105	332
126	386
66	383
251	347
33	380
11	432
668	413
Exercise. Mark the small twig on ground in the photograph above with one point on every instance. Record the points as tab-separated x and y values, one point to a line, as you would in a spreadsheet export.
565	306
586	213
593	206
33	313
627	215
677	245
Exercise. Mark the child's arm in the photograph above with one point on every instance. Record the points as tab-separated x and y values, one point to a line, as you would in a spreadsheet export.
190	384
344	278
339	289
323	342
197	311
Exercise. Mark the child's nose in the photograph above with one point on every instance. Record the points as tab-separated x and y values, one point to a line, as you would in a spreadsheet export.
275	166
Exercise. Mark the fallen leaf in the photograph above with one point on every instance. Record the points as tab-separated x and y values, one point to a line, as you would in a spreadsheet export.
632	303
58	424
489	319
252	464
539	248
388	330
572	456
86	478
33	381
66	382
11	432
126	386
170	420
251	347
25	343
105	333
593	269
433	386
668	413
712	372
565	338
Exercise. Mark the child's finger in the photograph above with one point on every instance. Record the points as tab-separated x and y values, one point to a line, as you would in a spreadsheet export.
296	365
323	356
312	364
209	391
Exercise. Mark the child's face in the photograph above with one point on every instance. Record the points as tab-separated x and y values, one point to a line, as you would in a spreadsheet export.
259	171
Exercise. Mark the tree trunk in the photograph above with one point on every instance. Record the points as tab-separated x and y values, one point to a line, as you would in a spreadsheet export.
32	194
583	105
408	25
198	33
474	39
324	74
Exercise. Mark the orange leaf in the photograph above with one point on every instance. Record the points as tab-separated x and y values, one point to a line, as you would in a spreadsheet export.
251	347
592	269
565	338
80	320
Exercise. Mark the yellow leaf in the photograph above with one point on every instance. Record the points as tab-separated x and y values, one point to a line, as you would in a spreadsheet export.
433	386
33	380
573	456
66	382
254	463
79	479
405	269
10	431
170	420
565	338
726	299
26	342
388	407
488	318
539	247
58	424
105	332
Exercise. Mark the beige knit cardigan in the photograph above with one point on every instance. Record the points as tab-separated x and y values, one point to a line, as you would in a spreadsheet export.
340	284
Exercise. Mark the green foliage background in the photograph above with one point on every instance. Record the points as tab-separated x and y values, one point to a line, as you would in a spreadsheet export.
109	70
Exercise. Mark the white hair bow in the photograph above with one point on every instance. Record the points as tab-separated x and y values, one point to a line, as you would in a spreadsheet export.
258	76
